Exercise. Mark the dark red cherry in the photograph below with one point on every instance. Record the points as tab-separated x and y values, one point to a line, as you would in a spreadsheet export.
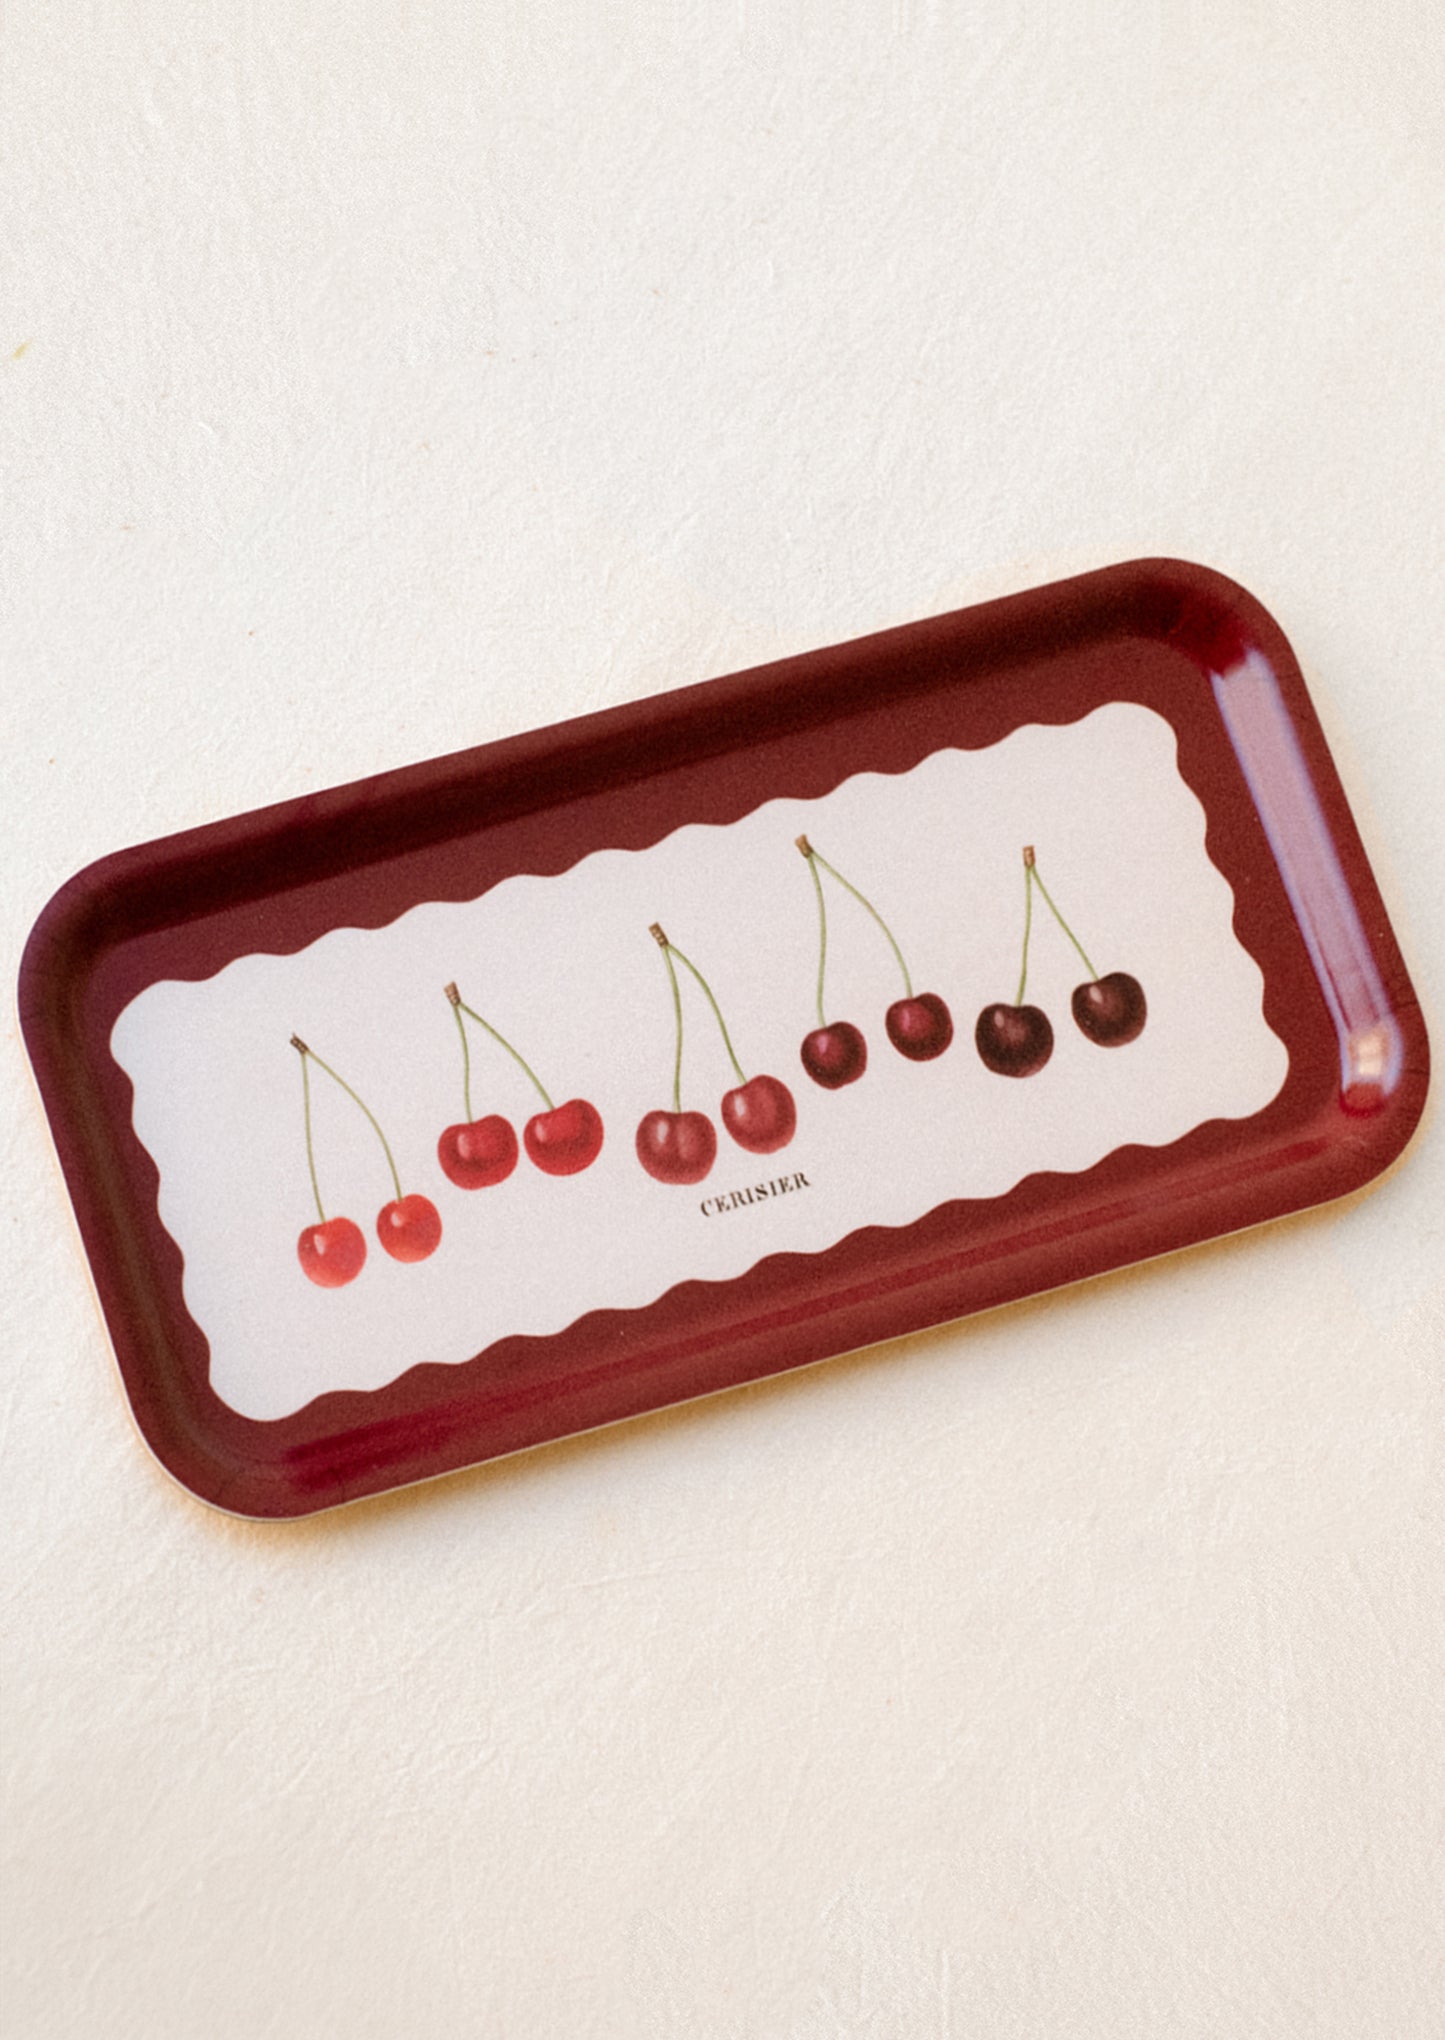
565	1140
920	1027
677	1147
1014	1041
1112	1010
760	1115
477	1155
409	1228
835	1055
332	1253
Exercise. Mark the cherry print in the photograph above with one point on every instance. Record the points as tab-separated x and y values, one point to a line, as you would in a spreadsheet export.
759	1113
1017	1040
476	1153
919	1025
333	1251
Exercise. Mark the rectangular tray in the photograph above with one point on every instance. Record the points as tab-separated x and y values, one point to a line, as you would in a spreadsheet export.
1144	733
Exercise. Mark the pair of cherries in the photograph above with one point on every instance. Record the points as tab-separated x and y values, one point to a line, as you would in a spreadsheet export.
561	1140
759	1113
919	1024
333	1251
1017	1040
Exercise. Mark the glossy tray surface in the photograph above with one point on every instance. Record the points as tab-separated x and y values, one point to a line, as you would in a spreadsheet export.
514	1093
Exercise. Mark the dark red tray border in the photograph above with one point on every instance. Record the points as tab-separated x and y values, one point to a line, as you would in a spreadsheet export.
1146	631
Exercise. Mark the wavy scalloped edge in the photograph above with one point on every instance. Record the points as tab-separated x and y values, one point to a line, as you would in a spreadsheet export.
378	927
780	1263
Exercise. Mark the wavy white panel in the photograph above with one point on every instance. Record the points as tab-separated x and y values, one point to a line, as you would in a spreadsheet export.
566	968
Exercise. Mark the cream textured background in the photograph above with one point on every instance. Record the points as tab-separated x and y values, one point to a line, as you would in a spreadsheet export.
377	381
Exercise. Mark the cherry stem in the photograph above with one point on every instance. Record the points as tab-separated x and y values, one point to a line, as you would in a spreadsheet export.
304	1052
1028	922
665	946
1093	974
310	1149
461	1006
717	1012
816	857
808	852
466	1061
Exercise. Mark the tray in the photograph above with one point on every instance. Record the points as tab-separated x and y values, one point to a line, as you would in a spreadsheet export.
511	1094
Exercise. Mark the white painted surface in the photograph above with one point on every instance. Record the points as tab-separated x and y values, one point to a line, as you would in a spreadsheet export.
376	384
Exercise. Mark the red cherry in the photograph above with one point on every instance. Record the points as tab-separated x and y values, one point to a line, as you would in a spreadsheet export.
1111	1010
835	1055
565	1140
409	1228
760	1115
677	1147
1014	1041
477	1155
332	1253
920	1027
